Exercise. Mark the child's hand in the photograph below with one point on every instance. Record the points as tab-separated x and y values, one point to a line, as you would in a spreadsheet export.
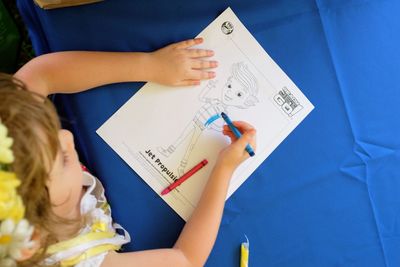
178	65
236	153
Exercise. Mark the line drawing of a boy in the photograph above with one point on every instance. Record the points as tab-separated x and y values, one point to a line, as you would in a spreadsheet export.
239	91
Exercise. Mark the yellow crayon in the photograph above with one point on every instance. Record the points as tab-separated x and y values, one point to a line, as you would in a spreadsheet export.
244	253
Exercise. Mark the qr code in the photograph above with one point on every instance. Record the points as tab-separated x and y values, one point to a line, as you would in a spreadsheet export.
287	102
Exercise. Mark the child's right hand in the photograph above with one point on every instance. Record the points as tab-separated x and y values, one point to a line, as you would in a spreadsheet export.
234	154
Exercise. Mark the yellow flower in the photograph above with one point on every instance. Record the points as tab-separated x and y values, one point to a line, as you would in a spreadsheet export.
6	155
15	239
11	205
3	130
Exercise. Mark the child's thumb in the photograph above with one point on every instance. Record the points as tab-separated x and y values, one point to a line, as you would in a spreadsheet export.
246	138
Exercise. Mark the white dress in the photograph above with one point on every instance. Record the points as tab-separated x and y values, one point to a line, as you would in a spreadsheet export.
96	238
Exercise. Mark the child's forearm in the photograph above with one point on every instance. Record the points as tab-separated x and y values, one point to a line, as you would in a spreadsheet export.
199	234
177	64
75	71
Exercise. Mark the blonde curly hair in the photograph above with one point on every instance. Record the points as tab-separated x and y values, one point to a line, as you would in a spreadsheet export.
33	123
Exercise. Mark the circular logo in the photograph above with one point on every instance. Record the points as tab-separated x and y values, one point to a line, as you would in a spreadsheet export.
227	27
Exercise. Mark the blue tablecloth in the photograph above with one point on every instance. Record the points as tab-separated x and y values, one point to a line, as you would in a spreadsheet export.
329	195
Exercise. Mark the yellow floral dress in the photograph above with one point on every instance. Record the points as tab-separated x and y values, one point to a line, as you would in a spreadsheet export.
96	238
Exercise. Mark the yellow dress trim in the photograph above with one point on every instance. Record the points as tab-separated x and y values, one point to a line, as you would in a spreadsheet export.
88	254
99	232
78	240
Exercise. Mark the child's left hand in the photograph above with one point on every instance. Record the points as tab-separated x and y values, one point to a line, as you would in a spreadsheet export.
179	65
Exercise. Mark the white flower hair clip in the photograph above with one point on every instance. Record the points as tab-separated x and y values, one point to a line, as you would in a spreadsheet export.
15	231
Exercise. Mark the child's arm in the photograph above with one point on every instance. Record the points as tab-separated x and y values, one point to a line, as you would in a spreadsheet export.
75	71
198	236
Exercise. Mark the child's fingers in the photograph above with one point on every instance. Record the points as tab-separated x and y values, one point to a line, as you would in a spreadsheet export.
188	82
188	43
228	131
229	134
248	134
233	137
202	75
198	53
203	64
246	138
241	125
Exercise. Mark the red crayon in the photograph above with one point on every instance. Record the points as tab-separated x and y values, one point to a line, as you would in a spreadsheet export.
184	177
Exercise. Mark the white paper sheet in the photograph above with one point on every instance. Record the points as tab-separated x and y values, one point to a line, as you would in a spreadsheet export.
160	131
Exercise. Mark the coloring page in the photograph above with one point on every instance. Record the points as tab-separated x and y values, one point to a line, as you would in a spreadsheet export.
162	132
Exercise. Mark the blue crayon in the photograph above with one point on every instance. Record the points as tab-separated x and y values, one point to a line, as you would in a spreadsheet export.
237	133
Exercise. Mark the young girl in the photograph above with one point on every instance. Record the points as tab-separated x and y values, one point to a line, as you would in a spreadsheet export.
52	213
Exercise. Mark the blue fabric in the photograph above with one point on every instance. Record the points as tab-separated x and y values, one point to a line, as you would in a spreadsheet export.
329	194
